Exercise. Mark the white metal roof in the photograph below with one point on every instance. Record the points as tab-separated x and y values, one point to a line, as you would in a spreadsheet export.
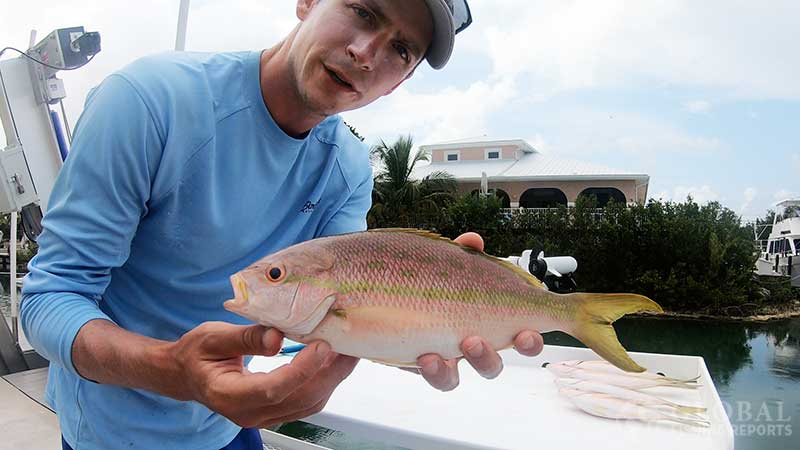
530	166
479	142
788	202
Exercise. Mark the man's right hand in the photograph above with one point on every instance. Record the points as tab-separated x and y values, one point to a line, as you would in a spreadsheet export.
211	364
207	365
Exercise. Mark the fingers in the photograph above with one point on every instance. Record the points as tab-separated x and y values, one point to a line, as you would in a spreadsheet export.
313	396
243	391
304	366
529	343
272	421
471	239
237	340
482	357
439	373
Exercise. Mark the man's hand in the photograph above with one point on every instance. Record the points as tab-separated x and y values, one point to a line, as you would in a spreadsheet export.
206	365
443	374
210	367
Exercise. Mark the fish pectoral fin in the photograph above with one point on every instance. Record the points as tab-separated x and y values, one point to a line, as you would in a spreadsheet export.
402	365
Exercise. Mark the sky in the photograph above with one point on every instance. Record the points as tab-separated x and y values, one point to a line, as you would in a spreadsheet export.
702	96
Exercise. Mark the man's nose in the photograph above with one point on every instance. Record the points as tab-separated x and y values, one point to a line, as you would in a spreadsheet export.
363	51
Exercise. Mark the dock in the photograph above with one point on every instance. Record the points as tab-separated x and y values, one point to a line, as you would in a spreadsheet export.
27	423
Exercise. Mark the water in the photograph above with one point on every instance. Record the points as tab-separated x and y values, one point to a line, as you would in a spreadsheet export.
755	367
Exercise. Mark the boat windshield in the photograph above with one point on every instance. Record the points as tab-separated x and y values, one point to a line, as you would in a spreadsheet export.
797	246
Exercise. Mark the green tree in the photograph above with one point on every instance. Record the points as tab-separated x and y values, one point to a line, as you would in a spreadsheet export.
400	200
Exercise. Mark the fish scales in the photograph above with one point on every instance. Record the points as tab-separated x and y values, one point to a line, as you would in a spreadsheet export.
413	272
394	295
410	269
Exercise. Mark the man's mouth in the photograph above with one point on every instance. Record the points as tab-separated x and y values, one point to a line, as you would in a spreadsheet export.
339	80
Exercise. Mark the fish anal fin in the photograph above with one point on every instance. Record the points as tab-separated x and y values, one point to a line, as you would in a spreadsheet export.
402	365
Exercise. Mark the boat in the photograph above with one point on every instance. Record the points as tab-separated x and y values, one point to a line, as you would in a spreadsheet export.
521	409
780	252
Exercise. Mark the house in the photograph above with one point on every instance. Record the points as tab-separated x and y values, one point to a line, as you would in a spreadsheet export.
525	178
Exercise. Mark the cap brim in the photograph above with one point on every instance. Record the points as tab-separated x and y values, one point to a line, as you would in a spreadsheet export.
443	34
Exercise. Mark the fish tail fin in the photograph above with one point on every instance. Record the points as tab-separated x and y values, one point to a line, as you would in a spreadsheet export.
596	313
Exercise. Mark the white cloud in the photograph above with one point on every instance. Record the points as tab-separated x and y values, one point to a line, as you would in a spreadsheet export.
125	35
783	194
697	106
586	43
663	195
129	31
700	194
583	131
749	195
538	142
796	163
441	116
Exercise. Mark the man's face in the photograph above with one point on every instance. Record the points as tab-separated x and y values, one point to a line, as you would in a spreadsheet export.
348	53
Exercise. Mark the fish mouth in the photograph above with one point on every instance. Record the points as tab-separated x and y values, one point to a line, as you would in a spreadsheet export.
241	298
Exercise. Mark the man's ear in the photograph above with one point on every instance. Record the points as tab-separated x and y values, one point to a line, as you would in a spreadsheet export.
304	7
400	82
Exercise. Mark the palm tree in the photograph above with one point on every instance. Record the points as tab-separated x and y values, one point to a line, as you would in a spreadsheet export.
398	197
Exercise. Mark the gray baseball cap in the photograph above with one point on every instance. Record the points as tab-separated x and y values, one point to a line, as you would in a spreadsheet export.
449	18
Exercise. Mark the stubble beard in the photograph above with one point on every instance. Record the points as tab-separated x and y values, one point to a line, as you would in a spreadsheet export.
312	106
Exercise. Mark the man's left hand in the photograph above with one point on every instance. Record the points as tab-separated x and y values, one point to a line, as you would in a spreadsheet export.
443	374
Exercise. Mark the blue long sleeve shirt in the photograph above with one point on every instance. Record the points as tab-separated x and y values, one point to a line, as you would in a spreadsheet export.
178	177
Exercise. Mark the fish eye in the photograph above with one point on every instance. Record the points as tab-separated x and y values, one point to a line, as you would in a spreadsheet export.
275	274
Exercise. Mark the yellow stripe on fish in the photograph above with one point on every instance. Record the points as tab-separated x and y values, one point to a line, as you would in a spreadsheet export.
424	294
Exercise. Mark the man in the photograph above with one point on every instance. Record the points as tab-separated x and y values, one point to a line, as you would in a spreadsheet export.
184	169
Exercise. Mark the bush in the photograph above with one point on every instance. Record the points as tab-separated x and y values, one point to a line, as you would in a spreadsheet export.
686	256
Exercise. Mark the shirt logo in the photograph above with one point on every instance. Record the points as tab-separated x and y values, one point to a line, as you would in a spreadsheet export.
308	207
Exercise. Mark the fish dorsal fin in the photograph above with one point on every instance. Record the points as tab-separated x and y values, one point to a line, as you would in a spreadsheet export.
423	233
530	278
535	282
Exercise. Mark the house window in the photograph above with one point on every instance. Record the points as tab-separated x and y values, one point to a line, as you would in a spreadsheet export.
492	153
452	156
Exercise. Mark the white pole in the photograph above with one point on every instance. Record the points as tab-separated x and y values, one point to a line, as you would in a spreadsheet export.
183	18
12	252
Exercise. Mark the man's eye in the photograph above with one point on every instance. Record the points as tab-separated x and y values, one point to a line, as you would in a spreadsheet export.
363	13
403	52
